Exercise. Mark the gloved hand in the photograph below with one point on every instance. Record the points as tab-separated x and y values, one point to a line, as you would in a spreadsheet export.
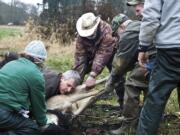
90	82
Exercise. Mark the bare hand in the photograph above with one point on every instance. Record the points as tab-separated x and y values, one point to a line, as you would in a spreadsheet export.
143	59
90	82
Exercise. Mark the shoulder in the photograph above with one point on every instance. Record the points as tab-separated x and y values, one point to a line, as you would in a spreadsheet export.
31	70
105	27
132	31
134	26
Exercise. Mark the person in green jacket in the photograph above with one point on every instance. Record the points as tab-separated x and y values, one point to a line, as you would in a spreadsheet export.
22	90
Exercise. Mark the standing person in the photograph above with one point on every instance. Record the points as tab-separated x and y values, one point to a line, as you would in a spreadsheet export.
126	60
22	89
160	25
138	7
95	48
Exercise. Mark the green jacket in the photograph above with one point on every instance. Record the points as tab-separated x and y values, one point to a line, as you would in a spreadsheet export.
22	85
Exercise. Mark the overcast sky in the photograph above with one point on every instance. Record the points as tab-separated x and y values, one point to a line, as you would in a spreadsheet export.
34	2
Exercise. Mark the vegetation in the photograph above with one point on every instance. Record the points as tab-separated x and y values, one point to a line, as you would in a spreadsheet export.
6	32
16	13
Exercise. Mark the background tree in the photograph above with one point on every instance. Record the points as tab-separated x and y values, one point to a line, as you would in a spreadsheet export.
17	13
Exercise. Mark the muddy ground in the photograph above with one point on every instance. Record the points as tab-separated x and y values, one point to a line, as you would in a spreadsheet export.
98	119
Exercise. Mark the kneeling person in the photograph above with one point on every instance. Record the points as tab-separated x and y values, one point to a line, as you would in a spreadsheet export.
22	90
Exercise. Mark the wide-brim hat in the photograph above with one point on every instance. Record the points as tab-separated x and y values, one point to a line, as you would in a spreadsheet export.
87	24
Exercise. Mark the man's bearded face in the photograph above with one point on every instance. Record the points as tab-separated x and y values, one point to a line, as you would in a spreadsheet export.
139	10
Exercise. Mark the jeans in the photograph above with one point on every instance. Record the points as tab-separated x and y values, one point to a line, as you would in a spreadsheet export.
164	78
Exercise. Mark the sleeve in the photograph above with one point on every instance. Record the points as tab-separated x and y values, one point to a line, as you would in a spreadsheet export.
126	54
150	21
37	99
52	81
80	57
104	52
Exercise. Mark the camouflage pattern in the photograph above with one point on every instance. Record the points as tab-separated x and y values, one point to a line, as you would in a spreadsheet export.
96	53
117	21
134	2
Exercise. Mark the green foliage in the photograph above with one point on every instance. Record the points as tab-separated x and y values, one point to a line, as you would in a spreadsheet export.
172	104
60	63
9	32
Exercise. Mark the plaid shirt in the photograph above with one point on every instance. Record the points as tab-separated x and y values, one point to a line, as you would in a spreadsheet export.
96	52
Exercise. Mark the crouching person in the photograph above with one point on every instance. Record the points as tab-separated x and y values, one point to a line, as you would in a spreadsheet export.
22	89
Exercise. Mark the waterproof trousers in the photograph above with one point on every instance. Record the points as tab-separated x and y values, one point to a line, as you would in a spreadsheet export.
136	84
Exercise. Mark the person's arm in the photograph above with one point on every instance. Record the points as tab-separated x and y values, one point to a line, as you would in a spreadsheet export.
37	99
80	57
126	54
149	26
150	22
125	57
104	52
52	80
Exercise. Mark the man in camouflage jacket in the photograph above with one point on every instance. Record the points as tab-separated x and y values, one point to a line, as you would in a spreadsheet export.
95	49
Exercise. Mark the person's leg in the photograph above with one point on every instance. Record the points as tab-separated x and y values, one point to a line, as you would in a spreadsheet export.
15	124
135	83
164	78
119	88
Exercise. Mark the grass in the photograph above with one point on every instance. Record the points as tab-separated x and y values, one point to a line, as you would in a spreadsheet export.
5	32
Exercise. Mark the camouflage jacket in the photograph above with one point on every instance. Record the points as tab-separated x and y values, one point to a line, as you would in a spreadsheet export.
95	53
